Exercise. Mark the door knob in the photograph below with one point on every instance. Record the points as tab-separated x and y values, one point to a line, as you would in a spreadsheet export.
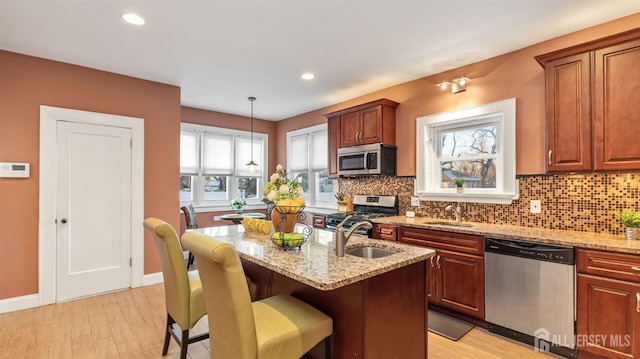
63	221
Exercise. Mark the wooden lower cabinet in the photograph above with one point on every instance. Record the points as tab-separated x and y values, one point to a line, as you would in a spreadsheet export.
455	279
608	308
460	283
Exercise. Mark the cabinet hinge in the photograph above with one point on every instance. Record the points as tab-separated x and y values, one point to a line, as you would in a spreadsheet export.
130	262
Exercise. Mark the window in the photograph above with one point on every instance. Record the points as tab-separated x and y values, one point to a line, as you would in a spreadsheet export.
307	154
213	165
475	145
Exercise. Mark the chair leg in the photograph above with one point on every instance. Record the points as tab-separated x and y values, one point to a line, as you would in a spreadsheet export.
184	344
167	334
190	260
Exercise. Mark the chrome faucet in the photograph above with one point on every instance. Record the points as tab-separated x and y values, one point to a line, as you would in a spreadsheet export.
457	211
342	238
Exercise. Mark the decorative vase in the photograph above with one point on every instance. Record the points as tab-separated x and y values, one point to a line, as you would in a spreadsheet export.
283	222
633	233
459	189
238	210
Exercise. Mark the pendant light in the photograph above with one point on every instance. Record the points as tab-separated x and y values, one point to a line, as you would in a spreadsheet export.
252	165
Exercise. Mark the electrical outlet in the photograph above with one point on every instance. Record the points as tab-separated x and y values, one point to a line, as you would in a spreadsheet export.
415	201
217	218
535	206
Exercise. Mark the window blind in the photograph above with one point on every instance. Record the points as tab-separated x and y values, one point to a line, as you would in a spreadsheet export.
217	154
189	154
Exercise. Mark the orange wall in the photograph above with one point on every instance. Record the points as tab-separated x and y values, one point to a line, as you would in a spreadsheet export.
516	74
28	82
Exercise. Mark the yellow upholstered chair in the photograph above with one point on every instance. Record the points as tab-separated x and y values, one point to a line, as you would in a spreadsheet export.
182	289
279	327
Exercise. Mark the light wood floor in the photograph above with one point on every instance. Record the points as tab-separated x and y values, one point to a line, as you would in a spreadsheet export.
129	324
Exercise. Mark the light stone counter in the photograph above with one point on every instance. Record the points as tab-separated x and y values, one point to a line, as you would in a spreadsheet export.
316	264
589	240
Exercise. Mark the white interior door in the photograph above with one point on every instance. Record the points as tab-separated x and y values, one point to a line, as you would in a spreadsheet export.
93	209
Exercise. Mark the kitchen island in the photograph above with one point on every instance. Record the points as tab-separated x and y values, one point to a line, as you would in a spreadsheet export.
378	305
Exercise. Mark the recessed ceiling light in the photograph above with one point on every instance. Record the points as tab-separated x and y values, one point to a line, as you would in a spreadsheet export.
132	18
308	76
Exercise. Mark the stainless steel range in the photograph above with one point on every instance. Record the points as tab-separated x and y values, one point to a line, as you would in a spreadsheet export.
364	208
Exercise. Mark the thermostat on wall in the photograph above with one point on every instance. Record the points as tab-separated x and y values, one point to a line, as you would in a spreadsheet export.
14	170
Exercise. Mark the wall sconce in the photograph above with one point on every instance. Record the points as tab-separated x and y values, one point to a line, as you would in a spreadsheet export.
458	84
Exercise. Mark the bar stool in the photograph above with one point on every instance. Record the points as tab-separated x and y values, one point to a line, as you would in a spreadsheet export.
279	327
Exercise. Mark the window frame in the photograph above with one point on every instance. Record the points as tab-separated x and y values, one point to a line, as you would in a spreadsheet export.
198	200
313	185
428	179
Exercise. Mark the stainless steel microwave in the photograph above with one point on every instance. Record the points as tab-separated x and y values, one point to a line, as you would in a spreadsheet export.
373	159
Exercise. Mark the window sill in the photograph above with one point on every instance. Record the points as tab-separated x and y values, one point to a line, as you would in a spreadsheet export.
506	198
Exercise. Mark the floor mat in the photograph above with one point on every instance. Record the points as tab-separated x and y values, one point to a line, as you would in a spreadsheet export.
447	326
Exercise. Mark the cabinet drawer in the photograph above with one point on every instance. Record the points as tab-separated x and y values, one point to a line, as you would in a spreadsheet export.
609	264
464	243
385	231
319	221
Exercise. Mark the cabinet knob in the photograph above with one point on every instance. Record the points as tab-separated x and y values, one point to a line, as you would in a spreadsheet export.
635	269
550	152
431	260
386	231
438	261
64	220
638	302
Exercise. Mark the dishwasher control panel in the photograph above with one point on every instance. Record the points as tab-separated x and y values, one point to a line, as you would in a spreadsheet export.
531	250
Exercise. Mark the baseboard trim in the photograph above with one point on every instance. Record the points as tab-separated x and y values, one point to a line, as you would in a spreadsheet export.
19	303
153	278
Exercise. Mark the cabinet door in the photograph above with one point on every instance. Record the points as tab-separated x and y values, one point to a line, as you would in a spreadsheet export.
371	125
617	108
350	131
333	132
608	317
568	107
461	282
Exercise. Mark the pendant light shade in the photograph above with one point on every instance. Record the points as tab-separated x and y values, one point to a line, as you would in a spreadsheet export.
252	165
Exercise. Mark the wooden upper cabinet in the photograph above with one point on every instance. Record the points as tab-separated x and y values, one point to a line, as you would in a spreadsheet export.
568	112
592	107
350	129
333	132
617	107
372	122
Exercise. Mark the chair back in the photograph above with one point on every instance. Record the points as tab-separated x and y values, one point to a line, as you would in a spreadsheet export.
174	272
232	329
190	216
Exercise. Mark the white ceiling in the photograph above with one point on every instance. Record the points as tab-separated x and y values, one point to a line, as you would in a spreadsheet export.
221	51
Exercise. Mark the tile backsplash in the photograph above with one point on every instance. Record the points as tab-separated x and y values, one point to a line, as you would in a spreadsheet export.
589	202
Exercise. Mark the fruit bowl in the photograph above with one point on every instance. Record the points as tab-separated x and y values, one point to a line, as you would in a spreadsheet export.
288	240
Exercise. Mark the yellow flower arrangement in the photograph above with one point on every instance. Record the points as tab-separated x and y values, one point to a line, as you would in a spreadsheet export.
283	192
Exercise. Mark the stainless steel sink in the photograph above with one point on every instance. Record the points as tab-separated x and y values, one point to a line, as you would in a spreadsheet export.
448	223
370	252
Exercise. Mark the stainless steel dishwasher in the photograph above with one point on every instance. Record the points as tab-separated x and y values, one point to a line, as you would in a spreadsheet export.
529	293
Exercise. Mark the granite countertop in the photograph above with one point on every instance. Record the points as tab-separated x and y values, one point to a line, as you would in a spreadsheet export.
316	264
588	240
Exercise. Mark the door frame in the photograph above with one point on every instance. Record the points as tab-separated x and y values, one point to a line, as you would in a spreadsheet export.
49	116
